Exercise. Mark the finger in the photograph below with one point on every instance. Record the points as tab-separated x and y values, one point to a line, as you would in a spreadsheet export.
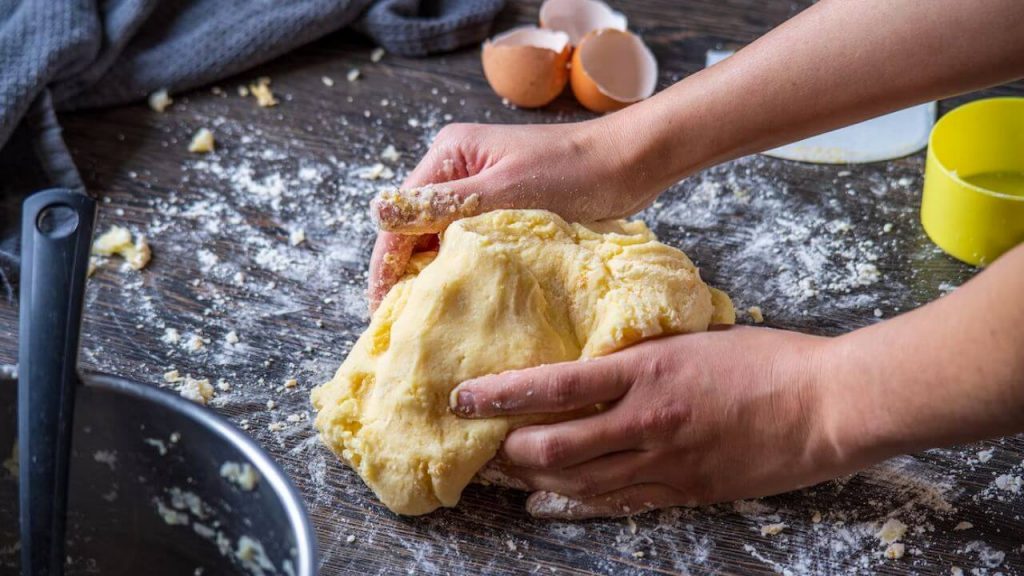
390	257
565	444
547	389
599	476
429	209
625	502
501	474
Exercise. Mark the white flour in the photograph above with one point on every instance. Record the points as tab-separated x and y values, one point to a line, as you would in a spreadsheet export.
228	224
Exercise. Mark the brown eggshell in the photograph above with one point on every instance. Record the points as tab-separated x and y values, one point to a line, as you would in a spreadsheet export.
612	69
528	66
577	18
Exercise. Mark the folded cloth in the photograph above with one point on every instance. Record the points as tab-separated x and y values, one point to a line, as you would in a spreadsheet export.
73	54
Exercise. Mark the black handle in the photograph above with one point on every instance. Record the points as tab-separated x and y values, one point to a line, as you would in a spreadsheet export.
56	232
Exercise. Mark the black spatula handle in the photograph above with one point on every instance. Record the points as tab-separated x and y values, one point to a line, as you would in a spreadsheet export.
56	232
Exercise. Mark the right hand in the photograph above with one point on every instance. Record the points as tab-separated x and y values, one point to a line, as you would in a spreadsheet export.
582	172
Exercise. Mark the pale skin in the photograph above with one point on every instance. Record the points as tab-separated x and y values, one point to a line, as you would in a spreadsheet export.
741	412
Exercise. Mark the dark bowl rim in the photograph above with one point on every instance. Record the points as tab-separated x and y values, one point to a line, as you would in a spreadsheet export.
270	472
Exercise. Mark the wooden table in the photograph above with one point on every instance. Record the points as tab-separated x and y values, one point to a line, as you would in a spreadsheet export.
789	237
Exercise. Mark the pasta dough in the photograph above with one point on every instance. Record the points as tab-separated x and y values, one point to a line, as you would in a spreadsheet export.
508	289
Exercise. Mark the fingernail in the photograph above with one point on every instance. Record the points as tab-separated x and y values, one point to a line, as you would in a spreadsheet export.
462	402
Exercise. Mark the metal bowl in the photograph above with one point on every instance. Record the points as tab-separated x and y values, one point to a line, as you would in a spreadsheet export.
147	494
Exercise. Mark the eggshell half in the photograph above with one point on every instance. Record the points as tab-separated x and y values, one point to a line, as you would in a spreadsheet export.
612	69
577	18
527	65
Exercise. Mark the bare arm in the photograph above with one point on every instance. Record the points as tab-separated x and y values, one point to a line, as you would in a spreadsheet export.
950	372
836	63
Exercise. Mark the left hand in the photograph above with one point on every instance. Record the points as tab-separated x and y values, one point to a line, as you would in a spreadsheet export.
692	419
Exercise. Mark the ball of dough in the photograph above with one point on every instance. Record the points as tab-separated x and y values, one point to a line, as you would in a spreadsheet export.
508	289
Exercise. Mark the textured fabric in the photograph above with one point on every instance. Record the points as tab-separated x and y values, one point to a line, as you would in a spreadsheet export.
73	54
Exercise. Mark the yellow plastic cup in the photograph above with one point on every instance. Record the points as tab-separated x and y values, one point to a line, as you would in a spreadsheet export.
973	202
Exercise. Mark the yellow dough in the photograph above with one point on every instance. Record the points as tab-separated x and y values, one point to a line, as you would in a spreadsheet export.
508	289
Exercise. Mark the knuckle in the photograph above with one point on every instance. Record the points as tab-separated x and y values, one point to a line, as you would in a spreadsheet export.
456	131
550	451
659	422
564	390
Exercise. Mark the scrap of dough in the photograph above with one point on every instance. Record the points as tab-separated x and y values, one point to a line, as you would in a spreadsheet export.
118	240
197	390
202	142
508	289
160	100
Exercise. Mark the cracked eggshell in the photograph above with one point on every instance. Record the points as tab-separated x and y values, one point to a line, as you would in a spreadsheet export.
612	69
529	66
577	18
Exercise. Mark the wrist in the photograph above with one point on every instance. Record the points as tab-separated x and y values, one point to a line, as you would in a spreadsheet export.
856	425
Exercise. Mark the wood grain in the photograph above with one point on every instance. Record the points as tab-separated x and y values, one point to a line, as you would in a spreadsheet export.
137	159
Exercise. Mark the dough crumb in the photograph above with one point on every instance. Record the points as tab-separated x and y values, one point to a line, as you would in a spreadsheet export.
271	404
816	517
631	524
157	443
243	475
202	142
963	526
172	376
297	237
171	336
893	530
252	556
773	529
353	75
350	538
231	337
389	154
377	55
160	100
755	314
887	227
11	463
118	242
194	343
243	91
986	455
291	383
377	172
327	80
275	426
196	390
878	312
895	551
108	457
261	90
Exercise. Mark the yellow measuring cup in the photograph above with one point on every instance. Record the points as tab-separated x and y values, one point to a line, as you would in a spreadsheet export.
973	202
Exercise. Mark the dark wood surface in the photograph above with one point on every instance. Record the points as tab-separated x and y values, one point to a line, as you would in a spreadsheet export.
298	309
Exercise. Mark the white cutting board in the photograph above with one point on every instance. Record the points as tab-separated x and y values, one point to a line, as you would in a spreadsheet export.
886	137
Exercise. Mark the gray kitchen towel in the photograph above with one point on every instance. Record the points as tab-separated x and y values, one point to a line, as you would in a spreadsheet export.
73	54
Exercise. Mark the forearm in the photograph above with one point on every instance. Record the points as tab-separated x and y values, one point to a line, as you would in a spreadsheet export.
950	372
838	62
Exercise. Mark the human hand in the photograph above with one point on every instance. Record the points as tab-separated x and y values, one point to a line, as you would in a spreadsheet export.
578	171
692	419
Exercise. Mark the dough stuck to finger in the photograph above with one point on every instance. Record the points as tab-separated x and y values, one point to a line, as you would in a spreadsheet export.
507	290
423	210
